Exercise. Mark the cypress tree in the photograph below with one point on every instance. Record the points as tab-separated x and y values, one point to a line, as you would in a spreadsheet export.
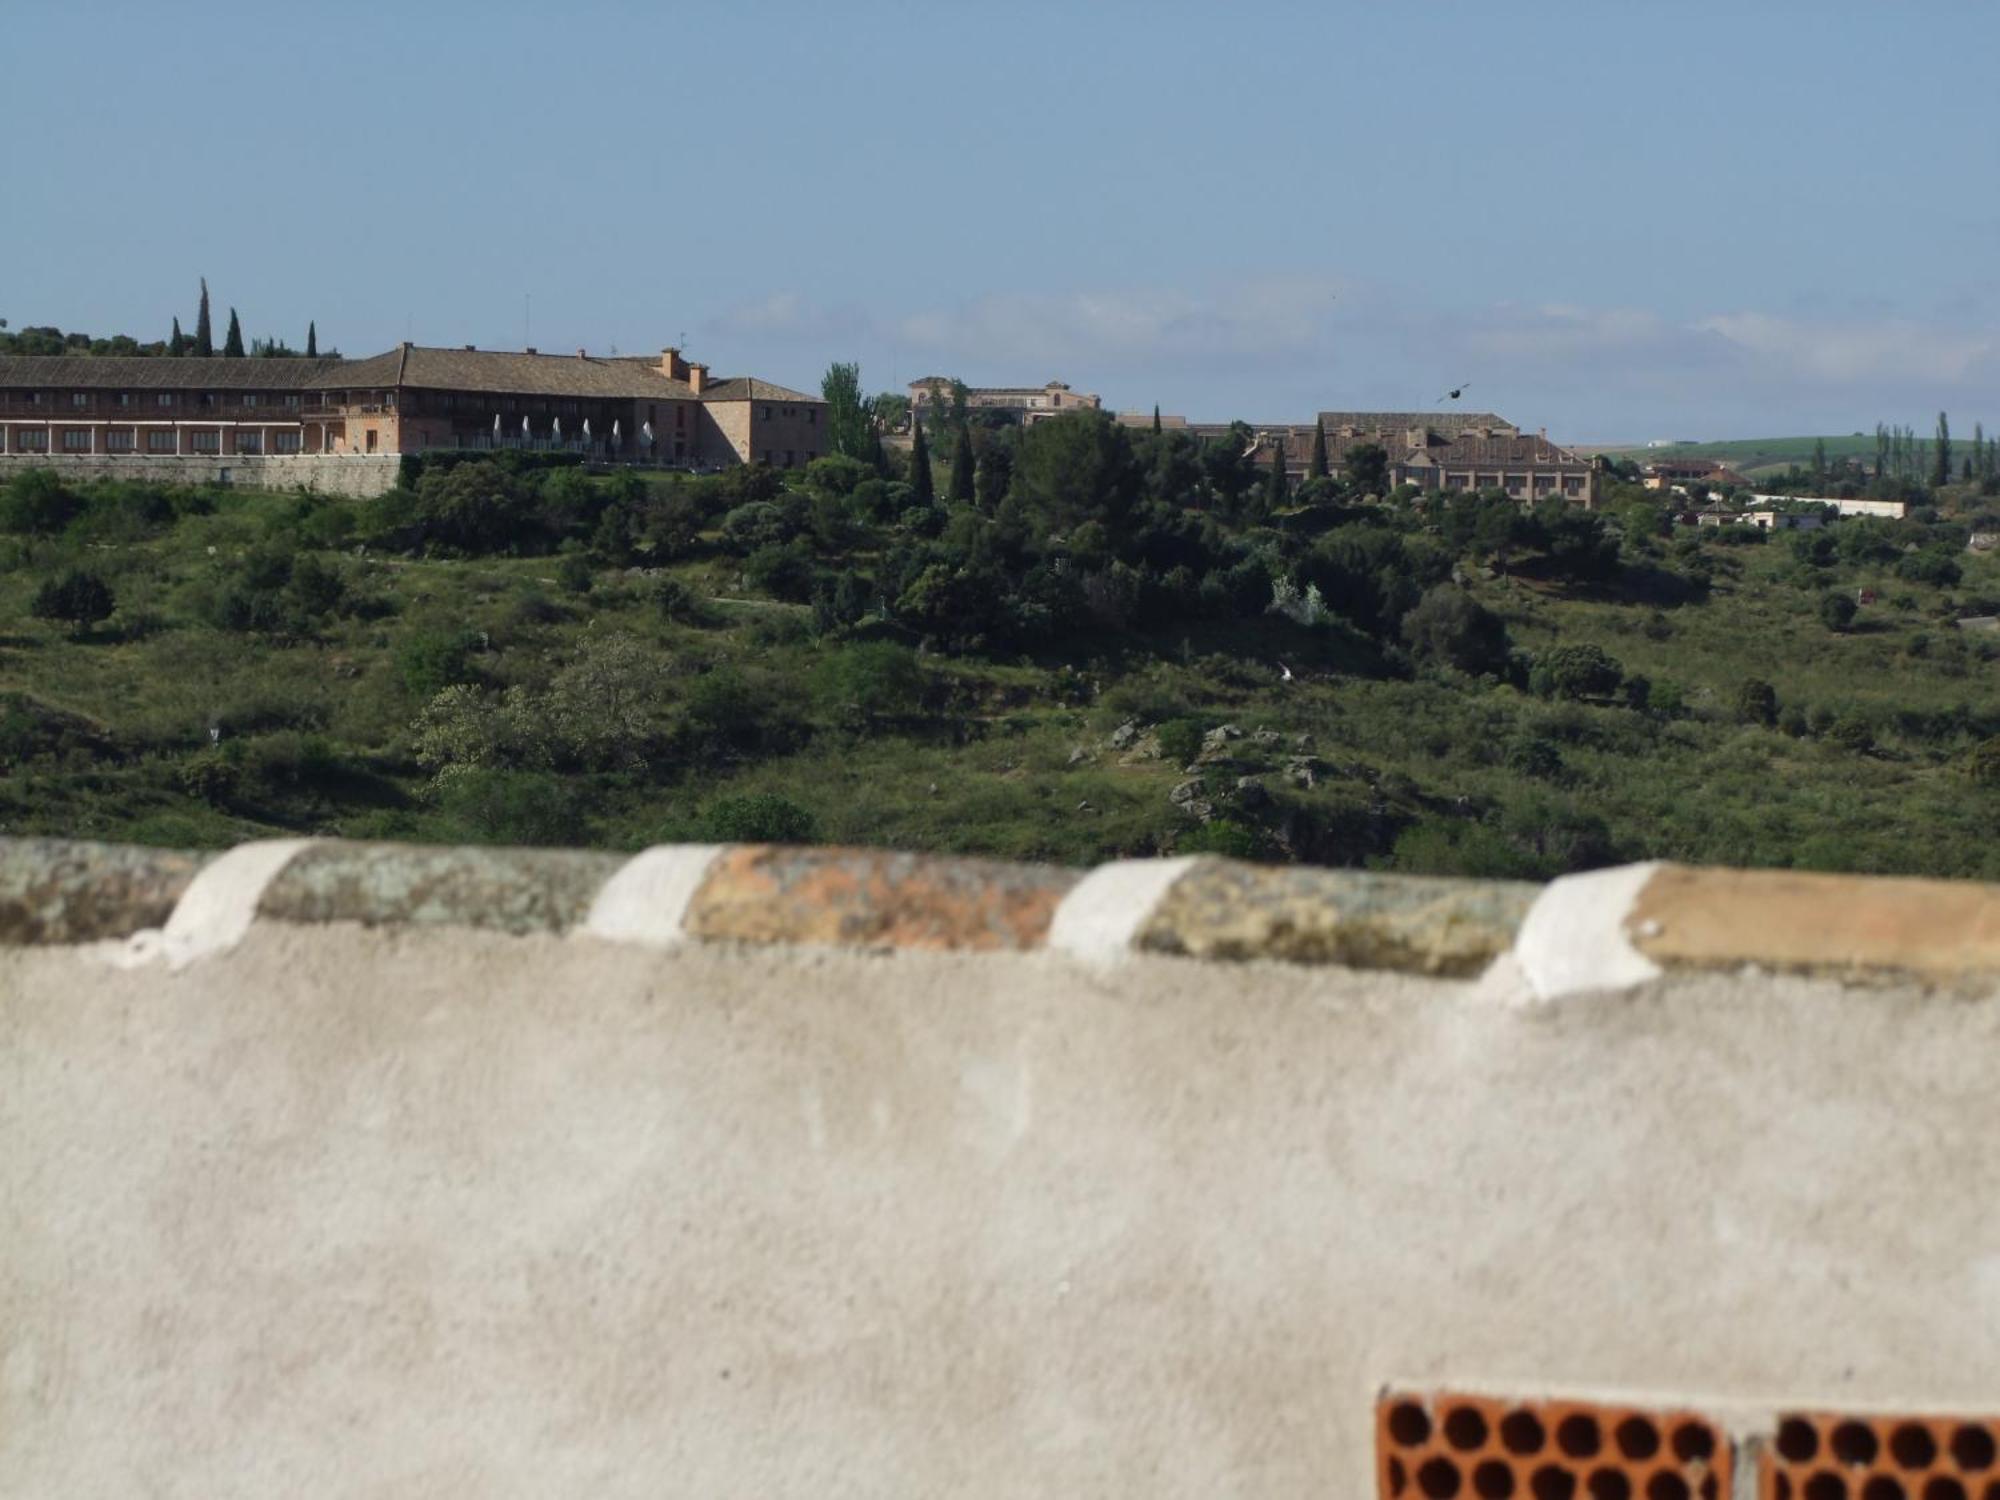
920	467
204	333
178	343
1156	416
962	467
1319	450
1941	472
232	343
312	341
1274	496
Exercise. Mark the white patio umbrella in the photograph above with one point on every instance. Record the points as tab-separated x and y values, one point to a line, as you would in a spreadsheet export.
646	432
586	431
525	434
614	432
555	429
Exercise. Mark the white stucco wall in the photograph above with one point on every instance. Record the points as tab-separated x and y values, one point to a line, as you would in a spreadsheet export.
350	1211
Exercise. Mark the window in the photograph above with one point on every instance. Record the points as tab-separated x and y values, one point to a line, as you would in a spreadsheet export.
209	441
160	442
812	416
336	398
33	398
249	442
680	416
76	440
250	398
165	398
292	402
207	399
652	413
118	440
124	398
767	414
79	399
35	440
371	440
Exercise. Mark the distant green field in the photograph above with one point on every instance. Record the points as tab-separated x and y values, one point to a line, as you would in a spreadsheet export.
1751	456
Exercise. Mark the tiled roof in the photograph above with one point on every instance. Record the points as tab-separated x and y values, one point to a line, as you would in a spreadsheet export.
749	388
1507	450
506	372
160	373
1450	423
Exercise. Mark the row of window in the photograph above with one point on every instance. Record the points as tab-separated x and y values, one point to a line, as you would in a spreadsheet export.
812	414
125	400
158	440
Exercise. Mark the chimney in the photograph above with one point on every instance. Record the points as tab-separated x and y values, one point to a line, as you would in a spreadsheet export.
672	365
697	378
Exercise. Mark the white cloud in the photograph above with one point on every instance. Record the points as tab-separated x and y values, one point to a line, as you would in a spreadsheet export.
1891	349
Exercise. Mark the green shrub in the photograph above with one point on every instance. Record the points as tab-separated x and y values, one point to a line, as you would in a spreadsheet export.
1837	610
77	598
514	807
1756	702
763	818
1180	740
432	659
574	574
1451	628
869	681
1580	670
1221	836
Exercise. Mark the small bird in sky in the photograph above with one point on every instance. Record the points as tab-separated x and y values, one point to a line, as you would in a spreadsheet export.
1454	394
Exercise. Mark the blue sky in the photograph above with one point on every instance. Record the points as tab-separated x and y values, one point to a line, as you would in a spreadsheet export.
1618	221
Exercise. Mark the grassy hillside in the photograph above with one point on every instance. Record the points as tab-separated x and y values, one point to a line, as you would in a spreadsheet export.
262	673
1751	457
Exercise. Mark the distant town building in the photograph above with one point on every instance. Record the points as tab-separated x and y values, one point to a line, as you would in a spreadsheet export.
1888	510
1691	474
1029	403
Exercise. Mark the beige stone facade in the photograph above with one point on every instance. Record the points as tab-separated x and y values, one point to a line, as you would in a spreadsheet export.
411	400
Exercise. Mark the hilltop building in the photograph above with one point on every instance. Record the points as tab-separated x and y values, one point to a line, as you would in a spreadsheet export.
206	419
1431	450
1028	403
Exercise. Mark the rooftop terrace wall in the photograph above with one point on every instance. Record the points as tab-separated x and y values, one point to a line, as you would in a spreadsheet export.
342	1169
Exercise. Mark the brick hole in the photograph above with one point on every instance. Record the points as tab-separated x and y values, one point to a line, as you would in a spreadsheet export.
1522	1433
1973	1448
1493	1480
1553	1482
1465	1429
1708	1487
1578	1436
1693	1443
1944	1487
1912	1447
1399	1477
1608	1484
1854	1443
1993	1490
1797	1441
1883	1487
1666	1485
1409	1424
1826	1485
1781	1487
1637	1438
1438	1479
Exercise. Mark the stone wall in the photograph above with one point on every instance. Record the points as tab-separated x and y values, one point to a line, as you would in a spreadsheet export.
362	1170
358	476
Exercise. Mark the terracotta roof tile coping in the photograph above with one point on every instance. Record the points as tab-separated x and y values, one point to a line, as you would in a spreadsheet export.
1607	930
